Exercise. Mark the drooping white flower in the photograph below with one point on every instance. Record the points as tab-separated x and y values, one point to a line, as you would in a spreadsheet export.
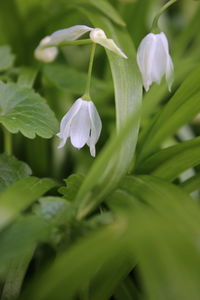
97	35
82	124
45	54
154	60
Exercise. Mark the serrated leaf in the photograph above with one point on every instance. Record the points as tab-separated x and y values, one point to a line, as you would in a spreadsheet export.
20	195
73	183
12	170
6	58
21	109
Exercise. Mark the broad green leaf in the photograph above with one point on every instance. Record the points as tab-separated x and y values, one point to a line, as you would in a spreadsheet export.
72	80
173	167
181	108
20	195
170	162
108	10
104	7
25	111
27	231
153	190
12	170
128	93
76	267
6	58
20	237
73	183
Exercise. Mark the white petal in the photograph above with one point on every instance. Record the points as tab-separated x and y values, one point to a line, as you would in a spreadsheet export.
145	59
80	126
98	36
69	34
64	136
169	71
45	54
66	122
159	60
70	114
96	127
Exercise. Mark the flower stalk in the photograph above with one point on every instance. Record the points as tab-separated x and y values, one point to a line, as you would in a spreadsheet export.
155	28
7	141
86	95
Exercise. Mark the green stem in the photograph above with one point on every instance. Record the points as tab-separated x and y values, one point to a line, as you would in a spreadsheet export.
86	95
69	43
155	21
7	141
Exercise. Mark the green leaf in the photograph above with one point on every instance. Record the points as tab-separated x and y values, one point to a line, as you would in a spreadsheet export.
102	6
20	195
105	7
53	209
25	111
72	80
76	267
170	162
181	108
27	77
6	58
12	170
192	184
128	94
20	237
73	183
27	231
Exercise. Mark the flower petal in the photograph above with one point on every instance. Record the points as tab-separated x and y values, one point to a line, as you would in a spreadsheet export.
98	36
96	127
69	34
145	59
160	60
66	122
169	71
80	126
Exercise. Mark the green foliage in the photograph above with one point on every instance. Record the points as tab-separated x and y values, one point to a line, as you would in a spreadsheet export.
72	80
6	58
12	170
25	111
20	195
124	225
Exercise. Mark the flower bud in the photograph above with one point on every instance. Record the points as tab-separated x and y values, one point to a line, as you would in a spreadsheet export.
46	55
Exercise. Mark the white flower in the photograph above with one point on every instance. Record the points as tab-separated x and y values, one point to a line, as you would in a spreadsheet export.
154	60
70	34
45	54
82	124
98	36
